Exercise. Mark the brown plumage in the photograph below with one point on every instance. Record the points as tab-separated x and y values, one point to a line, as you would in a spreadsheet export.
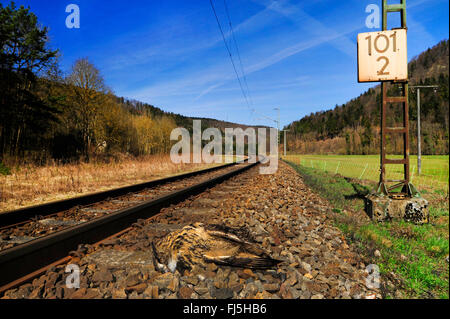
199	244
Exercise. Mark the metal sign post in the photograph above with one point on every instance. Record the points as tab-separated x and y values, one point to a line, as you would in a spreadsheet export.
406	190
419	151
382	56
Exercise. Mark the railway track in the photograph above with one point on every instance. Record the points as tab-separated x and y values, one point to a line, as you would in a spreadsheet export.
23	225
34	239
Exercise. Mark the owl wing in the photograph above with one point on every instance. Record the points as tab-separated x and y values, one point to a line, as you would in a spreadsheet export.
226	248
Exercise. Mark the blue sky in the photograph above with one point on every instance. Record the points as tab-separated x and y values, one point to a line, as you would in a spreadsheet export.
299	56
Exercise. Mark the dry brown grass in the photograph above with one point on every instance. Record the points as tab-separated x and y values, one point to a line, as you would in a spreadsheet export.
32	185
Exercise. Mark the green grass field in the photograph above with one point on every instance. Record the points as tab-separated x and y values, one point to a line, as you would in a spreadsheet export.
413	258
434	175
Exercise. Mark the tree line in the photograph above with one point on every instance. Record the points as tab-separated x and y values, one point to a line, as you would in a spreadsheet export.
46	115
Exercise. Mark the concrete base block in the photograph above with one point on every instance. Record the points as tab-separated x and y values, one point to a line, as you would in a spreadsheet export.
383	208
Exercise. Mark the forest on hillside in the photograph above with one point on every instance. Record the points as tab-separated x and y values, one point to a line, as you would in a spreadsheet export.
354	128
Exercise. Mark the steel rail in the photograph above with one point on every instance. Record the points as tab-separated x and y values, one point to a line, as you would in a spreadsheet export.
13	217
21	261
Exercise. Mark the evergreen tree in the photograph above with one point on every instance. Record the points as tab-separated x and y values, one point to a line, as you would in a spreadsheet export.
24	55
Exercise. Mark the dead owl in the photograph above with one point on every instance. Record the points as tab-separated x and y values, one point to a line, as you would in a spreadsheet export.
198	244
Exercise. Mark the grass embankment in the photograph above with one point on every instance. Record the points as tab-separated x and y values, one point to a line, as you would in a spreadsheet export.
28	185
412	258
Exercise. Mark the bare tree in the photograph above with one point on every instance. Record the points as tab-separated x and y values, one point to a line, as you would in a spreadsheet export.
88	92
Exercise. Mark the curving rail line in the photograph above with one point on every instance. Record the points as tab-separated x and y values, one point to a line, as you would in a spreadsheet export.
26	261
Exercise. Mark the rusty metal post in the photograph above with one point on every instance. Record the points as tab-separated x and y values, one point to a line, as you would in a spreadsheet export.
403	99
386	203
406	137
383	130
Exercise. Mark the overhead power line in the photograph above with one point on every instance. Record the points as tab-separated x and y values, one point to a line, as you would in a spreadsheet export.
229	53
237	49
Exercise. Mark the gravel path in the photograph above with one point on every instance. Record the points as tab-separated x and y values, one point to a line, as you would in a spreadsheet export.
283	215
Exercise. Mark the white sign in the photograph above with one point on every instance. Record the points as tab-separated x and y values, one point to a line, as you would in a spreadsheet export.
382	56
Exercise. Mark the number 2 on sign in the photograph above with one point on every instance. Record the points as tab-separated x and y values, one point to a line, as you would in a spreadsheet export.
381	49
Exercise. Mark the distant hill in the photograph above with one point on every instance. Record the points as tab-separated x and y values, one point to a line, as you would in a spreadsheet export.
353	128
138	107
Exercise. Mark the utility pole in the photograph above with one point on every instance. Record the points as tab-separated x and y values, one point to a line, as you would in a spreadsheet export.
285	131
419	151
278	125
